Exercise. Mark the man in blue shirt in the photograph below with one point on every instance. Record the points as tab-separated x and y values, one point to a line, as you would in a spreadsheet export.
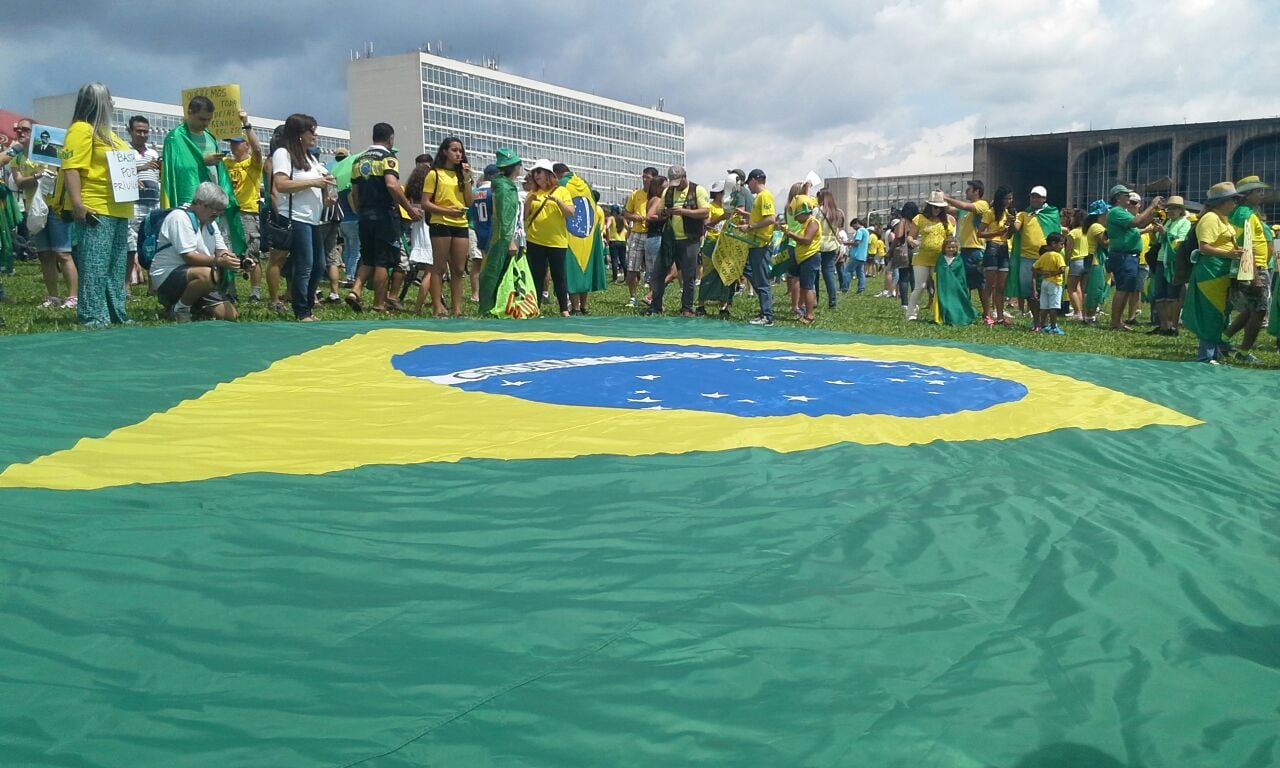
856	264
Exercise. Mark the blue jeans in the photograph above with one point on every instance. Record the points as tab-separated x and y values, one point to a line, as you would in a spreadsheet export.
829	275
761	266
853	268
350	247
307	259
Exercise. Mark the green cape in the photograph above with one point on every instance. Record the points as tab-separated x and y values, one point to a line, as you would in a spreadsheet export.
1205	310
594	277
183	169
506	205
951	302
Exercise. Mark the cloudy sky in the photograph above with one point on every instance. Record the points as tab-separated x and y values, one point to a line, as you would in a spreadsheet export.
877	87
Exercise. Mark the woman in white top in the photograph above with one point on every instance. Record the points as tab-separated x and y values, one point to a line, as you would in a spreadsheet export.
302	188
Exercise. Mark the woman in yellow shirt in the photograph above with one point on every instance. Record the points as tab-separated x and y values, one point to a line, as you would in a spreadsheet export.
545	212
1078	266
1217	252
446	195
100	233
807	237
933	225
996	225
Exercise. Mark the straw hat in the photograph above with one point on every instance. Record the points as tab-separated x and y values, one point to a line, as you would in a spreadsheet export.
1175	202
1250	183
1224	190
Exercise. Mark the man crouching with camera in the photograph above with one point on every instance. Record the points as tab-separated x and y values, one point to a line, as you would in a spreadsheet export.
190	252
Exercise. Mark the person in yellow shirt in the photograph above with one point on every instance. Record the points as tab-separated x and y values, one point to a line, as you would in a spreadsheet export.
808	243
446	195
244	168
997	226
972	246
933	225
1251	298
1049	271
100	233
636	214
876	250
545	212
760	225
1218	247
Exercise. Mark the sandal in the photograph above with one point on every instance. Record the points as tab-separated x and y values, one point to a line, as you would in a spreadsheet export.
353	301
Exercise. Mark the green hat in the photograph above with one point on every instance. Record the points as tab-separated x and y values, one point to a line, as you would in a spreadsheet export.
1250	183
507	158
1118	189
804	210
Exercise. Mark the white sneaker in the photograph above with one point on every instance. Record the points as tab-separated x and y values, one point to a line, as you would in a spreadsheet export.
50	302
760	320
631	302
181	315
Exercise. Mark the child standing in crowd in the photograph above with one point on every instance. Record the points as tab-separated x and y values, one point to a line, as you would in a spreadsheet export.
1048	271
951	302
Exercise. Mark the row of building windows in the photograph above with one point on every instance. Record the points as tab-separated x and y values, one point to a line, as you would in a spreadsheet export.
891	192
542	100
508	112
161	124
450	121
1199	167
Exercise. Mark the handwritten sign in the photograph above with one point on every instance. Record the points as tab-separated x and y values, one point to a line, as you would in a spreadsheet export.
226	108
122	167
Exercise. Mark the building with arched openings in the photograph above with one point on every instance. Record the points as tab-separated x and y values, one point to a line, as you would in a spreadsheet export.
1081	166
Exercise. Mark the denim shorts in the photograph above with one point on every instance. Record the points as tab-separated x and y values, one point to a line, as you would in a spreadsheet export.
1050	295
56	236
809	270
996	257
1124	271
1078	267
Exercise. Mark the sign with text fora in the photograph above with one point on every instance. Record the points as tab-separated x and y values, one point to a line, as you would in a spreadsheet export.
226	108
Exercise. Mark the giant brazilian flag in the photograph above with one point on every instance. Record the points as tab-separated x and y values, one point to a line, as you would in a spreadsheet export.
629	543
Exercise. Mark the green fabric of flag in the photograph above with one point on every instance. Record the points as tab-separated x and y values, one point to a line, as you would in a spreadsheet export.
595	276
8	222
951	302
506	207
956	605
1205	310
1099	282
182	169
1050	221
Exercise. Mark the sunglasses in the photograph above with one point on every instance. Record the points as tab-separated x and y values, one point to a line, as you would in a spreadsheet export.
17	129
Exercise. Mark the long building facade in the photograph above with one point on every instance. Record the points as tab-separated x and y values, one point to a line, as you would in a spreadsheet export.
57	110
427	98
1080	166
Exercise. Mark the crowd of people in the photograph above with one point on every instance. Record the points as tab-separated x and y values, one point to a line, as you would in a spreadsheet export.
203	214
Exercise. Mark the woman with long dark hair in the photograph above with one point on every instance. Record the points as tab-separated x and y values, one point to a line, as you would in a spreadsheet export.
100	232
933	225
301	185
996	226
831	223
905	243
446	196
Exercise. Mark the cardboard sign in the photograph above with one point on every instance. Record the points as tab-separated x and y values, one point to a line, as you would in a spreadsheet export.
226	108
122	167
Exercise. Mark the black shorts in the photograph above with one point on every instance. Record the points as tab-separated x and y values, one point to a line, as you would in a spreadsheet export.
444	230
379	243
174	285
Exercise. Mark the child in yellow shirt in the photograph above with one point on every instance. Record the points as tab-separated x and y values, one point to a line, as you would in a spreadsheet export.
1050	270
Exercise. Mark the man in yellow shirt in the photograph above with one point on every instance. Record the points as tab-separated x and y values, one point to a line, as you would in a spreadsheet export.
244	167
760	225
636	213
1251	298
971	245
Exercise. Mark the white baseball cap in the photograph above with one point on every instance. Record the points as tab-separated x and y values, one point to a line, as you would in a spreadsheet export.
1041	191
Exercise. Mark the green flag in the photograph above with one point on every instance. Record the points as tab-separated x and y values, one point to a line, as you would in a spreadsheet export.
620	542
1205	309
182	169
506	207
951	302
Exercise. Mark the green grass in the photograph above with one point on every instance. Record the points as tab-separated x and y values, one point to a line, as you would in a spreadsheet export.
853	314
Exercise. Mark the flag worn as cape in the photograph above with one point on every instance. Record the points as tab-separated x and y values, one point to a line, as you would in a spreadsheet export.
506	207
592	277
1205	310
951	302
183	169
8	222
1050	221
1174	233
1098	286
582	224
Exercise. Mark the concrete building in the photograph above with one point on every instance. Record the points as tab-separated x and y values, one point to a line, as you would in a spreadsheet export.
869	197
57	110
1080	166
427	98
